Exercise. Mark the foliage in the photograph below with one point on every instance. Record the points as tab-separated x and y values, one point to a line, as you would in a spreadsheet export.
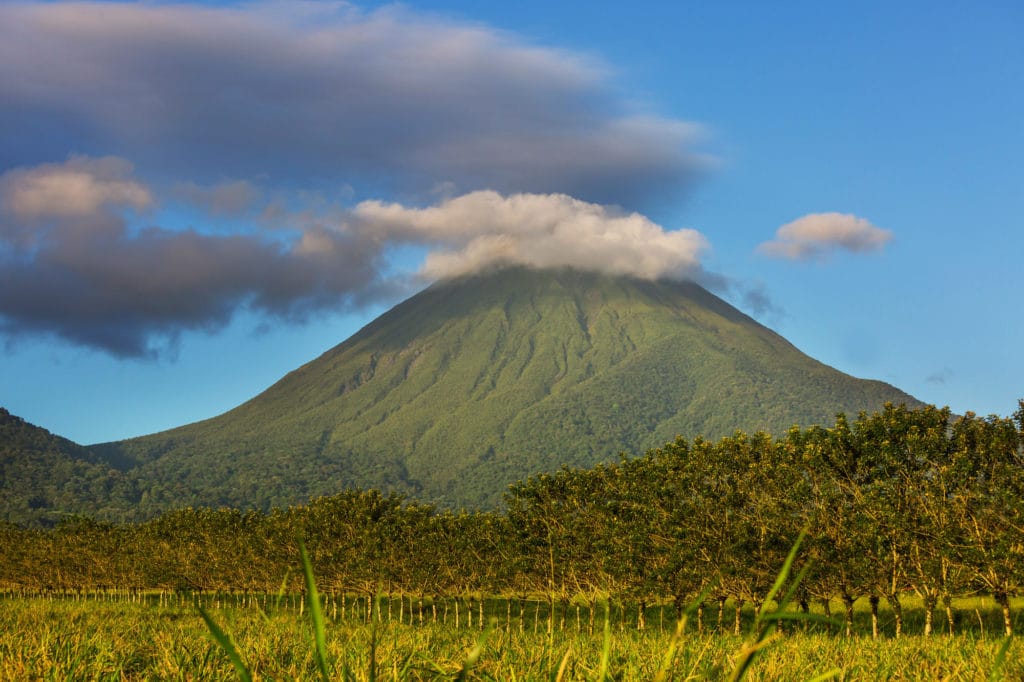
897	502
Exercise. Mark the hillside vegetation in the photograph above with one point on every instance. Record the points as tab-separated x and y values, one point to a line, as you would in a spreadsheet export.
42	474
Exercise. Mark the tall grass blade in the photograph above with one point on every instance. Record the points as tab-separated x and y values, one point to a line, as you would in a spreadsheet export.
474	654
315	614
783	575
670	652
673	645
283	590
997	665
226	645
373	651
831	674
764	622
563	666
606	646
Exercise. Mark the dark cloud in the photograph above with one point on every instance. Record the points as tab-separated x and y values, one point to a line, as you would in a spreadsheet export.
307	93
129	294
88	278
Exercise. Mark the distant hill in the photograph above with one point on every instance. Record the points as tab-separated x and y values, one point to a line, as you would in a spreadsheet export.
44	477
480	381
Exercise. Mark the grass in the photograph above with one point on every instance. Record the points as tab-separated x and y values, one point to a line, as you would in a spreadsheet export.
63	639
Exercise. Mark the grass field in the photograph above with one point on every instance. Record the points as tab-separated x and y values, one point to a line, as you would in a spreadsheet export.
63	639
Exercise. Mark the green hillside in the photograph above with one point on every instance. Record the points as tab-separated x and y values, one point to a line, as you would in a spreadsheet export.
44	477
477	382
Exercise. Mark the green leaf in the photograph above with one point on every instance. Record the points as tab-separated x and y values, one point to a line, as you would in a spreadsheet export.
315	614
997	665
226	645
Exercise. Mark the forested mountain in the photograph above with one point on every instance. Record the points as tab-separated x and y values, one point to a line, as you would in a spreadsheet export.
478	382
451	396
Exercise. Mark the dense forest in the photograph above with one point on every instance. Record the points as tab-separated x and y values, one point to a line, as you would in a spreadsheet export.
898	502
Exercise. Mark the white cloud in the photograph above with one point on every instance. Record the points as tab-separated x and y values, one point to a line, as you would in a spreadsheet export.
79	187
818	234
485	228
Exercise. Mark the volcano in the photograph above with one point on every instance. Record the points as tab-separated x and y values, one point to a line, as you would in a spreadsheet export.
483	380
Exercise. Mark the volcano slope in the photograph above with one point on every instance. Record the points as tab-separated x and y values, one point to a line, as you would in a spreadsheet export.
480	381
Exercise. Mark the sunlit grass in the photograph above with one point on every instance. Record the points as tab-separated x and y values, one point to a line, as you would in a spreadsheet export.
120	640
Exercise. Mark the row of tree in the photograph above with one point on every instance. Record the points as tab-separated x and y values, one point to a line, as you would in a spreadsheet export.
896	502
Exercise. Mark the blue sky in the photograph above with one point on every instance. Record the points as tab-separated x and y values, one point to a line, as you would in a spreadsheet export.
196	198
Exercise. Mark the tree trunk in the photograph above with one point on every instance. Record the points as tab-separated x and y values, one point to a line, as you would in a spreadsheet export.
1003	599
700	618
456	613
873	599
848	605
947	602
481	612
826	606
897	611
930	600
736	621
641	622
721	613
592	606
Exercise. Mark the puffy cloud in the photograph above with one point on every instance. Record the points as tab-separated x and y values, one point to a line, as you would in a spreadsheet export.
818	234
80	187
321	94
483	229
